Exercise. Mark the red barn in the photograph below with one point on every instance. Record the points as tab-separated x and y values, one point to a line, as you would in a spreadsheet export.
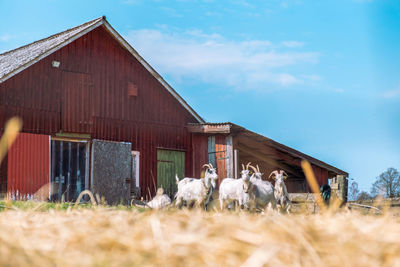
97	116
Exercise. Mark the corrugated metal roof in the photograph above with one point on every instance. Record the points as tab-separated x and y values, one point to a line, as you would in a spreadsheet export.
15	61
213	123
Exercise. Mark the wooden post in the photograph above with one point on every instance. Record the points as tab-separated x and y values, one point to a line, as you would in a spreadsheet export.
236	158
339	187
229	157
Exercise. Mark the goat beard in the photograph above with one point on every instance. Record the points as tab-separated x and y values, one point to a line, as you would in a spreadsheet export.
213	183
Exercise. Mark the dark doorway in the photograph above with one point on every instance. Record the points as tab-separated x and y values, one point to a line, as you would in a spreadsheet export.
68	169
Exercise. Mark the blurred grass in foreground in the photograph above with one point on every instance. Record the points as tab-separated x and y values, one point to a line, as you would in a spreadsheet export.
108	236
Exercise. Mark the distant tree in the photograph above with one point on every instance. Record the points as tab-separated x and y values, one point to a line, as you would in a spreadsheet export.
353	191
387	184
364	196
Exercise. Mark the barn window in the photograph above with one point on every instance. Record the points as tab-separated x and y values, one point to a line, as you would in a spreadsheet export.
132	89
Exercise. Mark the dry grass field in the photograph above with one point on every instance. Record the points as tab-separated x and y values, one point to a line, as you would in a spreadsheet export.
113	237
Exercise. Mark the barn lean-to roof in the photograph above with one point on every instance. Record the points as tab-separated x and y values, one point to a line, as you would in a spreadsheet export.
14	61
229	128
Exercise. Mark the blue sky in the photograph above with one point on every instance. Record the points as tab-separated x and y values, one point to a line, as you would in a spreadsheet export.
320	76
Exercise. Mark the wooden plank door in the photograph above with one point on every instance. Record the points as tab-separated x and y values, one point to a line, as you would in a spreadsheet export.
76	108
169	164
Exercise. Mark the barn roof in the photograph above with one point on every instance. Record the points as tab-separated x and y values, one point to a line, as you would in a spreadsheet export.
16	60
262	142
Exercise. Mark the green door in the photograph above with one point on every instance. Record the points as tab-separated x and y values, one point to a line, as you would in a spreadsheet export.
169	163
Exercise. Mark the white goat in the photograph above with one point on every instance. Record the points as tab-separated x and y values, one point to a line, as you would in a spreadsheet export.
262	194
281	194
197	191
231	190
160	201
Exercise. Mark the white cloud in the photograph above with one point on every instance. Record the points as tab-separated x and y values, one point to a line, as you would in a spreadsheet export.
392	93
211	58
284	4
171	12
213	14
131	2
5	37
313	78
293	44
244	3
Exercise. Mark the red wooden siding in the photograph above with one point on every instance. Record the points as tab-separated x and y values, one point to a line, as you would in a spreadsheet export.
3	172
3	175
49	100
28	165
321	175
200	153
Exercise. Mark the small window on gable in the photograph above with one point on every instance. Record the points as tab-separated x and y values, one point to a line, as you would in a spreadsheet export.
132	89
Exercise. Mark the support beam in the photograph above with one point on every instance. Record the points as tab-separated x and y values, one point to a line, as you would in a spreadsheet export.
229	161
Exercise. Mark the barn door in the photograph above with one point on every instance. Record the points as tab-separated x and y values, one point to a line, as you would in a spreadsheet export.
76	115
111	170
29	167
169	164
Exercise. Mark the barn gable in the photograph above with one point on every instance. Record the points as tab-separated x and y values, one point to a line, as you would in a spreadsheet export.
17	60
88	84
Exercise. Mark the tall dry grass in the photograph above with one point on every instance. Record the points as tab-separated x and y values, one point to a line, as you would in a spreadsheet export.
98	237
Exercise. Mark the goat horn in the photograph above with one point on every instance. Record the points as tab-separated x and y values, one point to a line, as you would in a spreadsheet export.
242	166
283	172
212	167
247	166
254	169
206	165
273	173
258	168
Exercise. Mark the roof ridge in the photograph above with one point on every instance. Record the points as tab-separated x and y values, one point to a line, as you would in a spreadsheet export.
54	35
